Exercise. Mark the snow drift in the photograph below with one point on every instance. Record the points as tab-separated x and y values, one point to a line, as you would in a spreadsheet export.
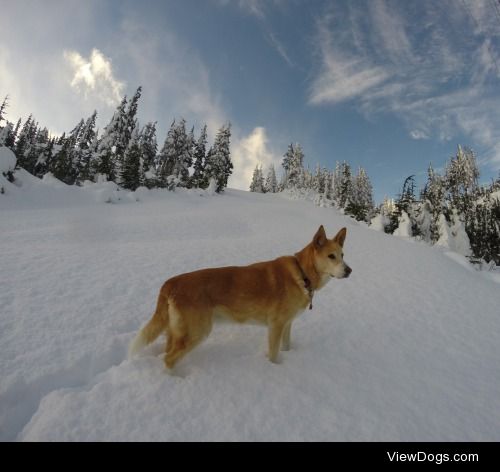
406	349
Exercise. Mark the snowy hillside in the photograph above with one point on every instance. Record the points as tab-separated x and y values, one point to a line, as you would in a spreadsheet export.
406	349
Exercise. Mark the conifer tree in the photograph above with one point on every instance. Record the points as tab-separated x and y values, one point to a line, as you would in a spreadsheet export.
149	148
271	184
294	167
131	177
218	164
198	178
257	184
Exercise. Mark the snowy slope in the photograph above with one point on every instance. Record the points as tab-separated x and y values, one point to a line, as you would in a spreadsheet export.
406	349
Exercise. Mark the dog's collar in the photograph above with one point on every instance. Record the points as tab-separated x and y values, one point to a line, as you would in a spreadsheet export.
307	283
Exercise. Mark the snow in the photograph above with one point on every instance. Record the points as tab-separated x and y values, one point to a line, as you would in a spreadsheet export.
404	228
406	349
7	160
453	236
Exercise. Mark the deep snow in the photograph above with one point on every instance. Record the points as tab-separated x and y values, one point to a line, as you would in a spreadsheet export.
406	349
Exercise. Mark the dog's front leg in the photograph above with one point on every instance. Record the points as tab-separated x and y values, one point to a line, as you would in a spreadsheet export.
275	334
285	342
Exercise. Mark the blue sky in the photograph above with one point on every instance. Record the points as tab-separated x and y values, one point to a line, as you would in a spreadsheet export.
388	85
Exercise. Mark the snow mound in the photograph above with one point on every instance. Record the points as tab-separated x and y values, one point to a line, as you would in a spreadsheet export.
7	160
406	349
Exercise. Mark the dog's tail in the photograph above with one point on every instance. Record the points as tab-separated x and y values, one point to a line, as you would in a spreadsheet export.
156	325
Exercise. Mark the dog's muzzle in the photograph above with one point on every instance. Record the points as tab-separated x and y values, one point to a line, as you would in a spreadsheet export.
347	271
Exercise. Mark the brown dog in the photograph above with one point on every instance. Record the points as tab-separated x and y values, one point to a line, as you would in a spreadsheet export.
272	293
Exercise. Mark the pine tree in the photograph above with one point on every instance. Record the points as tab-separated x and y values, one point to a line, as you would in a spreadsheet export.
257	184
131	170
167	156
85	150
345	185
112	144
149	148
12	135
183	154
433	194
361	201
3	107
198	178
218	164
461	178
271	184
294	168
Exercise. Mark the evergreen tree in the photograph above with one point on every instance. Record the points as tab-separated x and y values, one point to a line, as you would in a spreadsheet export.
271	184
294	168
345	185
131	177
12	135
360	204
176	156
183	154
461	179
112	145
218	164
433	194
149	148
3	107
257	184
198	178
85	151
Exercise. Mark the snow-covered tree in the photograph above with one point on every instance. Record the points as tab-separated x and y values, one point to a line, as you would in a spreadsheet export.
149	148
200	150
271	184
176	156
360	204
257	184
218	164
293	164
461	179
132	175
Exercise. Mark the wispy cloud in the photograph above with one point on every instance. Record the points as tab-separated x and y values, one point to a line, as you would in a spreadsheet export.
437	75
94	76
280	48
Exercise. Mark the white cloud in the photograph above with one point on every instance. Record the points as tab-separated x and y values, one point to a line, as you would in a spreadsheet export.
247	152
418	134
94	76
438	80
280	48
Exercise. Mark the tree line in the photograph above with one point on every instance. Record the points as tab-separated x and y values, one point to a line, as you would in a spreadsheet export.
339	188
452	209
125	152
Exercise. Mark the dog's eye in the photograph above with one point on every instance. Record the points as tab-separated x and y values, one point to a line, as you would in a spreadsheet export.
331	256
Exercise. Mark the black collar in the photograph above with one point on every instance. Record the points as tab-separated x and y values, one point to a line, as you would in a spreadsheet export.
307	283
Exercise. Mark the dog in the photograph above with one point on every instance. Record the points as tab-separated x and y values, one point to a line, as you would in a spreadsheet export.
272	293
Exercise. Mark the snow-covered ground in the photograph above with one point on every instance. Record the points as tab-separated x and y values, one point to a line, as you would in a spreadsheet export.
406	349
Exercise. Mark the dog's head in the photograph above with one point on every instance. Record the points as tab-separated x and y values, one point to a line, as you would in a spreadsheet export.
329	254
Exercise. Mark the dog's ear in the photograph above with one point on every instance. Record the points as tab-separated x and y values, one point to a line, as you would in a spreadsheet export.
319	239
340	238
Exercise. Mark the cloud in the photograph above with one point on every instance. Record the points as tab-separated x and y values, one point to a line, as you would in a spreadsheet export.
280	48
176	82
418	134
438	75
248	152
94	76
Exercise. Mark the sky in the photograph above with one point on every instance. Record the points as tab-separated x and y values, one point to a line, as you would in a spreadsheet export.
387	85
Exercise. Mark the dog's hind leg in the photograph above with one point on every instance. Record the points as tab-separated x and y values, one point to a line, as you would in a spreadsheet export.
184	335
